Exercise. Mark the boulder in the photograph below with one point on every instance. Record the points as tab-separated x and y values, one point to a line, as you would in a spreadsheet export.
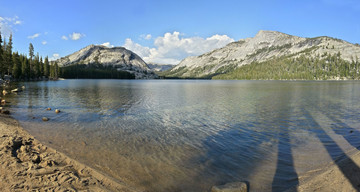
231	187
15	90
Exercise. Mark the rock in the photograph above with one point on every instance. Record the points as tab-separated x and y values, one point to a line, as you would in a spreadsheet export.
23	87
57	111
15	90
45	119
83	143
49	109
4	92
6	112
3	102
231	187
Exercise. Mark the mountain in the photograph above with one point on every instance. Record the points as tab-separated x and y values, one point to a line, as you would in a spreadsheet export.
116	57
160	67
265	49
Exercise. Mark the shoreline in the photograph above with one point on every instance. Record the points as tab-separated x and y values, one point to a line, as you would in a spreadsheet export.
28	165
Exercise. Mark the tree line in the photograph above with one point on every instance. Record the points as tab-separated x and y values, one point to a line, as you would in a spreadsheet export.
94	71
304	67
23	67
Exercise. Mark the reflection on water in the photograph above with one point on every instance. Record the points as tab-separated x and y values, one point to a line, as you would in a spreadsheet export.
171	135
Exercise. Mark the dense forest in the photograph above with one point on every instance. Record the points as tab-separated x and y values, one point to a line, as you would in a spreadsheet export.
94	71
304	67
23	67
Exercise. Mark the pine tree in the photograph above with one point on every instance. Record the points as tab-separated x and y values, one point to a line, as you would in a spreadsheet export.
37	66
56	70
41	67
16	70
31	55
46	67
8	56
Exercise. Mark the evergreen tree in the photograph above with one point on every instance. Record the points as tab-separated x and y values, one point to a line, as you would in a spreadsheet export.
56	70
41	67
46	67
16	70
8	56
31	55
36	66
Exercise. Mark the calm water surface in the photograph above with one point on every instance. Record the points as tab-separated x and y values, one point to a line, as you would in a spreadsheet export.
188	135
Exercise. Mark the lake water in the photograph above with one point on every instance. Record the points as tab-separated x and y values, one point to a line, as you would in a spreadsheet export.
188	135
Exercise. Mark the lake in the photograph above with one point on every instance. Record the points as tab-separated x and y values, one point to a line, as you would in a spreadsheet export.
188	135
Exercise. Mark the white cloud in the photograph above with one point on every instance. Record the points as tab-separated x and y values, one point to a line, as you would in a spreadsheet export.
44	42
73	36
64	37
54	57
17	22
172	48
107	44
7	25
146	37
34	36
76	36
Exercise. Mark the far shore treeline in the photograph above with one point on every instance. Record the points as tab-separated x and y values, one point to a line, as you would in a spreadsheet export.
34	67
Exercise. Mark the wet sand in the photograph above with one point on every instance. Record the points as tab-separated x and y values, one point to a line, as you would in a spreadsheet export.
28	165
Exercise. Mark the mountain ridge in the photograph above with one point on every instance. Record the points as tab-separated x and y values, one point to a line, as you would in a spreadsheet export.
264	46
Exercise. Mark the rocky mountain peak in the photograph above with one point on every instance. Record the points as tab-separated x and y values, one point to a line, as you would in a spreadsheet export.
118	57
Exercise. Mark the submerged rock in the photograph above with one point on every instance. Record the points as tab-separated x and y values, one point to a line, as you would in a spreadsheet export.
49	109
45	119
231	187
57	111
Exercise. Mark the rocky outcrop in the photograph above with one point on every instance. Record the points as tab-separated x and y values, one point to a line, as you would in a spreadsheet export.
117	57
264	46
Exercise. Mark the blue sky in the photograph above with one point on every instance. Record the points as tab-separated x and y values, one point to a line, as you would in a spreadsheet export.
168	31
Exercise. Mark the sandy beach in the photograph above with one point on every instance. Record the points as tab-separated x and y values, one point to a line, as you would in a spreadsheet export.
28	165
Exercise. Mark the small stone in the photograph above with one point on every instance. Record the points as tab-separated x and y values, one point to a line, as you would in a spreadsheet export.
49	109
6	112
36	159
231	187
83	143
45	119
57	111
23	87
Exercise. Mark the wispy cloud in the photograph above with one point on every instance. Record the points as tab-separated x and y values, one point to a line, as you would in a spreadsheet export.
34	36
73	36
172	47
146	37
7	24
64	37
44	42
54	57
